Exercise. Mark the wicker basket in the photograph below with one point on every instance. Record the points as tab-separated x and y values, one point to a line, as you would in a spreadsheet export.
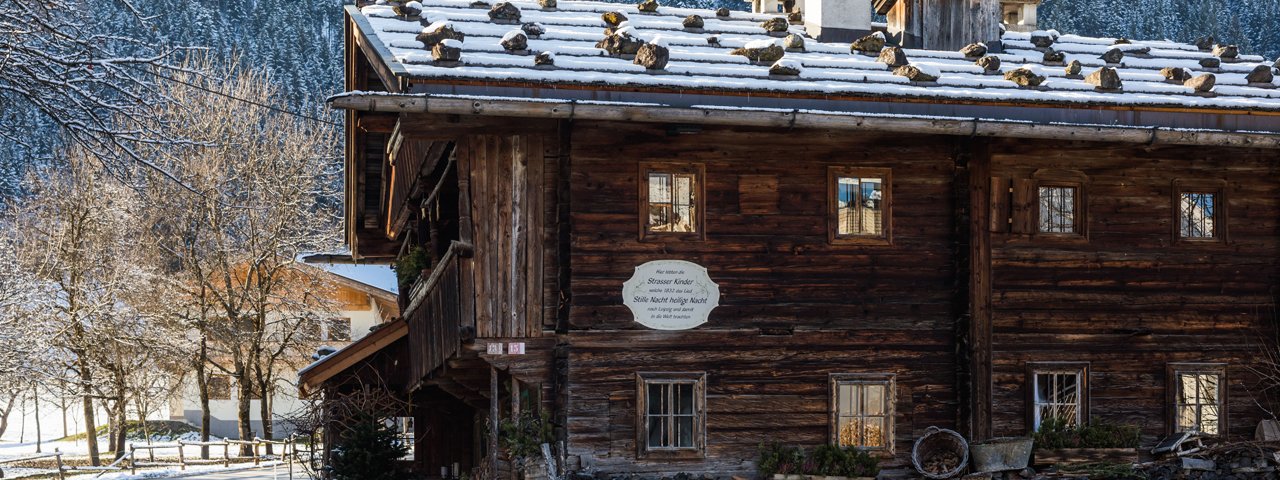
939	441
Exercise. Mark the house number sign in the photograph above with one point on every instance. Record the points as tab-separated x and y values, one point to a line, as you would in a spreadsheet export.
670	295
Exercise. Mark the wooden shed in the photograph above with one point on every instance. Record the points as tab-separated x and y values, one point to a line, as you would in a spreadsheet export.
683	233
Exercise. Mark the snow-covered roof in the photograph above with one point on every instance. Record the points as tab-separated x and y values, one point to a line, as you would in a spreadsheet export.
701	62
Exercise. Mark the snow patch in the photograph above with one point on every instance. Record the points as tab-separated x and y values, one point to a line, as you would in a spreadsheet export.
761	44
929	70
511	35
789	63
439	24
451	43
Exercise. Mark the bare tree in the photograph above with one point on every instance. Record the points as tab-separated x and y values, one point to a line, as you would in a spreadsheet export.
262	190
77	234
60	59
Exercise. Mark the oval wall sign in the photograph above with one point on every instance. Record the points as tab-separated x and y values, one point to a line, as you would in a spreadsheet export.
670	295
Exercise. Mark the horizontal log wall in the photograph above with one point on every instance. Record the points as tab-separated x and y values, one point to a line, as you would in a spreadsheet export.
1130	299
853	308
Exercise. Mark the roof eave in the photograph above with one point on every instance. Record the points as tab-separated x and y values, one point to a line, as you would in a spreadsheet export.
794	118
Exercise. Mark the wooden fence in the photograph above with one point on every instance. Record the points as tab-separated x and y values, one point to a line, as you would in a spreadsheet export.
288	451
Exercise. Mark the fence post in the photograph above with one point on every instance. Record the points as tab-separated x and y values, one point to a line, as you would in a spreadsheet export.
226	454
182	457
290	452
133	459
58	454
256	459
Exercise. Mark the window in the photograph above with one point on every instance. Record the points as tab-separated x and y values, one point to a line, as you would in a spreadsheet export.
405	433
862	410
1195	214
670	416
1059	393
1057	209
1199	393
859	204
338	329
1199	210
671	201
219	387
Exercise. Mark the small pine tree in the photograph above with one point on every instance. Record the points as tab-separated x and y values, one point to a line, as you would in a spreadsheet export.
369	452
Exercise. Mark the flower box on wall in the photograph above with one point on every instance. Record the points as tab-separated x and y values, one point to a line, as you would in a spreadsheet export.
1085	455
779	476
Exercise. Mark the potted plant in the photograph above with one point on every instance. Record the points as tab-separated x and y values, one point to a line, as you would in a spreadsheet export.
522	439
1058	442
826	462
412	266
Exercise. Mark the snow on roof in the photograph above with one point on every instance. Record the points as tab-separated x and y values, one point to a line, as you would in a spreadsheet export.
699	64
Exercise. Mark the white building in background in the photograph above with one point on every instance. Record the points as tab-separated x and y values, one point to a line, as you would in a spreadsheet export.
363	306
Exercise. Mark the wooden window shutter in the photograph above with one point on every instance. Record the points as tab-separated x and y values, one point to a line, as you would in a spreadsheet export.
999	204
1023	206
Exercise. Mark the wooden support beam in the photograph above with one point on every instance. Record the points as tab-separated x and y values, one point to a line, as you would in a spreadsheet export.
376	122
979	334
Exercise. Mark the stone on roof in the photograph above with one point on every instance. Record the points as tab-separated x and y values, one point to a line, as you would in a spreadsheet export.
733	52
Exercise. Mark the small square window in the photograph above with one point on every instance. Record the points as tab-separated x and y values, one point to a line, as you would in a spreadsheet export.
1199	403
671	415
1058	397
1196	215
1058	209
338	329
860	201
1057	393
862	411
219	387
671	201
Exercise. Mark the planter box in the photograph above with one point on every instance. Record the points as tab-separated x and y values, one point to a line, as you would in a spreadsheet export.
779	476
1085	455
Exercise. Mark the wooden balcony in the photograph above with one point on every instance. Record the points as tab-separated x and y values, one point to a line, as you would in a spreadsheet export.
437	317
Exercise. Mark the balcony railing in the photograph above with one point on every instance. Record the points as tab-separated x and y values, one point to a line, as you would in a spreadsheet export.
435	314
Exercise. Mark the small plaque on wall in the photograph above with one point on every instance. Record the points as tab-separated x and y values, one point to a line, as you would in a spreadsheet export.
670	295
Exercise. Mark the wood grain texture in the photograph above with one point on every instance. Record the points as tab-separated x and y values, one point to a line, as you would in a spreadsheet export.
839	308
1132	299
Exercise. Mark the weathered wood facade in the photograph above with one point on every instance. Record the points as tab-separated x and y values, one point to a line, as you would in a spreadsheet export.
534	219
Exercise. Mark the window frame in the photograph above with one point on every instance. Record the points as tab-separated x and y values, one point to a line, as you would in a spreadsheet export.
1172	384
890	382
1080	216
229	387
699	449
698	170
327	334
834	173
1080	369
1219	190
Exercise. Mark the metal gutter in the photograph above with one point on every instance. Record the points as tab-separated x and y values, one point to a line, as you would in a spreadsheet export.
793	118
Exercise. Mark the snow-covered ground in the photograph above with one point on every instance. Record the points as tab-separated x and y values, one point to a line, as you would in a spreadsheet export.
80	449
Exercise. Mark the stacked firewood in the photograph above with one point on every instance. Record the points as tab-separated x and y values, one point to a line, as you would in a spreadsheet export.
1229	461
940	462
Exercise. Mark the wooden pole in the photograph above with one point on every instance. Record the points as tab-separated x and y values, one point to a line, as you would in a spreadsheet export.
256	459
133	459
226	454
182	457
493	420
61	474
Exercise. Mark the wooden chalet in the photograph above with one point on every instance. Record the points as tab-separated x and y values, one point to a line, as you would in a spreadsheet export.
974	237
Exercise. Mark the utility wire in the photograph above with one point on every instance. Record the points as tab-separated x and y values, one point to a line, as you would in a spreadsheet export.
233	97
